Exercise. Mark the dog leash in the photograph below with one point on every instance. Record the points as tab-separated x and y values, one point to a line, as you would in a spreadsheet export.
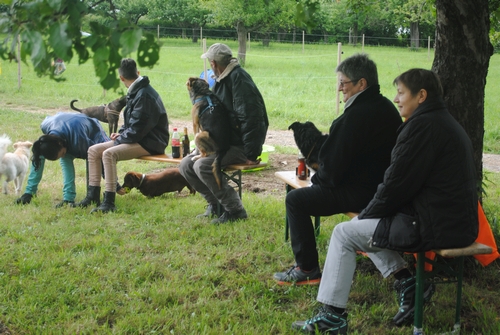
210	106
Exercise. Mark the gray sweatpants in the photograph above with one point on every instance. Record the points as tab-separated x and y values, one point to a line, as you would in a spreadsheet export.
347	238
199	175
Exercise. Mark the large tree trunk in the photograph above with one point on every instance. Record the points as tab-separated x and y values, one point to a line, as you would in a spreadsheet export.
242	42
414	35
463	52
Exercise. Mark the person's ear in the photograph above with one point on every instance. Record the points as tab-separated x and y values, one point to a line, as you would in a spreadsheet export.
422	95
362	84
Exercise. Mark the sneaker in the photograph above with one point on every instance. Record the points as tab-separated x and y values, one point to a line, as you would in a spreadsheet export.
65	202
406	291
231	217
327	321
210	212
24	199
295	276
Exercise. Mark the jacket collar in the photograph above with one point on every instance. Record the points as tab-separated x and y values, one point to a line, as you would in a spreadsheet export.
230	67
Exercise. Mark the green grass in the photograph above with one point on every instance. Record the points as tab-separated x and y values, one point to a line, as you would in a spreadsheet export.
151	268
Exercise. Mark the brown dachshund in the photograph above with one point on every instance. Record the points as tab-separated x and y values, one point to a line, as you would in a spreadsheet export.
156	184
109	113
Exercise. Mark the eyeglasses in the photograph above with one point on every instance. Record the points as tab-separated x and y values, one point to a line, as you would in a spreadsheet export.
342	83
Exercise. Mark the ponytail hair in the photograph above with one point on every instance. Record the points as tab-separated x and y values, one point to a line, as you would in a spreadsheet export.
47	146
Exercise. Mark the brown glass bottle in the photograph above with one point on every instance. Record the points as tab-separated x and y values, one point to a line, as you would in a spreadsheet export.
185	143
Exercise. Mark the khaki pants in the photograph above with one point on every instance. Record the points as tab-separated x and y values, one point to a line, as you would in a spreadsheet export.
107	154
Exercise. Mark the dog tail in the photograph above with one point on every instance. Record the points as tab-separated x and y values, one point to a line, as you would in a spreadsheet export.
217	169
4	144
73	107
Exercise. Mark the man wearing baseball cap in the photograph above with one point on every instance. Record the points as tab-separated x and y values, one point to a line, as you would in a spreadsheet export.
239	94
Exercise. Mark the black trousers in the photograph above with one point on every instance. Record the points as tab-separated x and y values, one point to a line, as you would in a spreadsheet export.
316	200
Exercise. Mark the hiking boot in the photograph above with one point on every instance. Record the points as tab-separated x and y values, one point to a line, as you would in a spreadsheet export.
295	276
24	199
406	291
231	217
327	321
210	212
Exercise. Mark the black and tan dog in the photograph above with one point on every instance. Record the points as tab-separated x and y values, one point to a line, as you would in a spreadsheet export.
211	124
156	184
109	113
309	140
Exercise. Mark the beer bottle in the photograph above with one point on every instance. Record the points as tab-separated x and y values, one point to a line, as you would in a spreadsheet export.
185	143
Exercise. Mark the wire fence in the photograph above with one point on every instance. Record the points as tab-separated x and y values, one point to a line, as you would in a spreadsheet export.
294	36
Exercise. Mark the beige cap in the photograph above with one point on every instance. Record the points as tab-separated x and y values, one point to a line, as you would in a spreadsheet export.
217	52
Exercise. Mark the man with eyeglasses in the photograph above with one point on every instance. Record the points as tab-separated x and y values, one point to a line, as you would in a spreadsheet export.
352	162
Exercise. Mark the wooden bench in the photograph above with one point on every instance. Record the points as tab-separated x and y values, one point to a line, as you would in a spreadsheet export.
292	182
450	263
231	172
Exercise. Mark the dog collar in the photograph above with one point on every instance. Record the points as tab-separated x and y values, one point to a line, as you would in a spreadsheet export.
142	179
210	106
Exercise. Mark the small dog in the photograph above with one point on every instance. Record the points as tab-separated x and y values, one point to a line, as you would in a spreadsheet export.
109	113
211	124
14	165
309	140
156	184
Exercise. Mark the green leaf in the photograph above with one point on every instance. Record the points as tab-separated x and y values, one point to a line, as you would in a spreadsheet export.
59	40
55	4
129	40
100	60
34	44
149	51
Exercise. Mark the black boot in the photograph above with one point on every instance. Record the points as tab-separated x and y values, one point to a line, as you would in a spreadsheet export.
108	204
93	196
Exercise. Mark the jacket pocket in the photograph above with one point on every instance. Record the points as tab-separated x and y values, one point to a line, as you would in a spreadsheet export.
399	232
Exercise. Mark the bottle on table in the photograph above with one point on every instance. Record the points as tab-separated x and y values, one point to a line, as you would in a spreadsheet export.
176	144
302	168
185	143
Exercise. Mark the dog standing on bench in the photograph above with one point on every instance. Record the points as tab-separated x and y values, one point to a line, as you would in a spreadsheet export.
309	140
211	124
109	113
156	184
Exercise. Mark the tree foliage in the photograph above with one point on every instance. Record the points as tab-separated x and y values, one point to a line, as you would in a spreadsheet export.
51	29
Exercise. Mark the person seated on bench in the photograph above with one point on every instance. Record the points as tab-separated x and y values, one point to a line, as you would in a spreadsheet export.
352	163
144	132
431	179
238	93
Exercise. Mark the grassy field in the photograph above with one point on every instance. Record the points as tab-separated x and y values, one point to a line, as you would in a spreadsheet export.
151	268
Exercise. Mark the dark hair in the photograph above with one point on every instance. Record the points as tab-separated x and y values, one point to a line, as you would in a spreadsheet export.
359	66
128	69
47	146
417	79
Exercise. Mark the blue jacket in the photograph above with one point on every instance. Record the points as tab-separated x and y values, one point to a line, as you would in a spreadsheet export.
79	131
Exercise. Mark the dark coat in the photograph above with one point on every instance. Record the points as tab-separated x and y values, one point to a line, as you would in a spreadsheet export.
432	175
358	148
80	132
239	94
145	119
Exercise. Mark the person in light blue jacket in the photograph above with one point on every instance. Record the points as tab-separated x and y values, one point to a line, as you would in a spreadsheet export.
66	136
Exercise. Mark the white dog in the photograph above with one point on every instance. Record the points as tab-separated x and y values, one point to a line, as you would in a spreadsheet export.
14	165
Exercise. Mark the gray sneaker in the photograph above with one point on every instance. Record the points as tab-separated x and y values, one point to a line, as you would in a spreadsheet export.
231	217
295	276
327	321
210	212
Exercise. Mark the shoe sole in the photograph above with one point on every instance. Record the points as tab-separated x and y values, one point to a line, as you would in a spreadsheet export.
310	282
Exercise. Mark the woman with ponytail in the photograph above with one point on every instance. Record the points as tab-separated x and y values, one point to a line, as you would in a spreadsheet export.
66	136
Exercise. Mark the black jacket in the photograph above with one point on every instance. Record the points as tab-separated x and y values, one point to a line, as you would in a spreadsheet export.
358	148
432	175
239	94
145	119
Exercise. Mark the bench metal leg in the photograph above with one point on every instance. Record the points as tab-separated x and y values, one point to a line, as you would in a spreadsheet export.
453	269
